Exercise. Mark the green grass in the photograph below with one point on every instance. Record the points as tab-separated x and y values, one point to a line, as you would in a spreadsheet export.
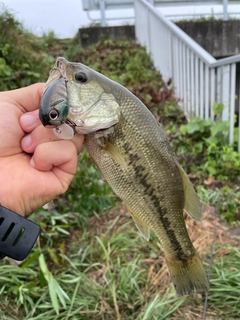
224	285
84	270
97	277
93	267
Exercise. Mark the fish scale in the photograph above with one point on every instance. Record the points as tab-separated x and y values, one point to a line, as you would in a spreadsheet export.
134	156
143	180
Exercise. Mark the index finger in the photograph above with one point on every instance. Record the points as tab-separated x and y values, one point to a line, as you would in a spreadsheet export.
27	98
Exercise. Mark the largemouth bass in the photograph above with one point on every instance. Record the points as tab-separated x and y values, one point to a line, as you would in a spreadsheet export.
133	154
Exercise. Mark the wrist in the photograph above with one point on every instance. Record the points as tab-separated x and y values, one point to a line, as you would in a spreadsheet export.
11	204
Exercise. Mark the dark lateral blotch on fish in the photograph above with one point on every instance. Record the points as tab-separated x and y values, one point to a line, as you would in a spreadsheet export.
134	156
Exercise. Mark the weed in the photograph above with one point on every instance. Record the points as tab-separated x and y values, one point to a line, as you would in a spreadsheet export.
23	60
226	200
224	285
206	142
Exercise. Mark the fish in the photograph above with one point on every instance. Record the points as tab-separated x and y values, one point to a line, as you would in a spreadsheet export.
134	156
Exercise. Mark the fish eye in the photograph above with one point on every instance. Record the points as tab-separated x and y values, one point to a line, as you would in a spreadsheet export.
81	77
53	114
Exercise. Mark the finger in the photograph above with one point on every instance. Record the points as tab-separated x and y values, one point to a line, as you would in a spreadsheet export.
61	154
30	120
60	158
28	98
41	135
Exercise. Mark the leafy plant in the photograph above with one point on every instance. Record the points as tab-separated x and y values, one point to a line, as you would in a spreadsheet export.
23	59
206	142
226	200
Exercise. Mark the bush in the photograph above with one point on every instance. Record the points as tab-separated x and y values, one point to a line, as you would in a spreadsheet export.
23	59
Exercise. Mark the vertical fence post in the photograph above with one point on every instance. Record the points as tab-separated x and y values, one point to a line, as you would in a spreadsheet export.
197	91
180	63
184	79
188	91
225	9
170	53
102	9
219	85
212	91
225	92
206	111
232	103
201	91
192	90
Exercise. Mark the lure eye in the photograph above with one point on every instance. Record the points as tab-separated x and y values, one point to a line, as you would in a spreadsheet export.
81	77
53	114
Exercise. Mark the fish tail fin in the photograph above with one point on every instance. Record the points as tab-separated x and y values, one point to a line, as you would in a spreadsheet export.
188	276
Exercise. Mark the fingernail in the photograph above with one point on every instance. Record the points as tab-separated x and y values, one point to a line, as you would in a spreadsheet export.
26	141
32	163
28	120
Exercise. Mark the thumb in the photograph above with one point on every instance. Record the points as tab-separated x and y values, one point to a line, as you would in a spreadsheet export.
28	97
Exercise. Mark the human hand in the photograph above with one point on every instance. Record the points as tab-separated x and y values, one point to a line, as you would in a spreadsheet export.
37	166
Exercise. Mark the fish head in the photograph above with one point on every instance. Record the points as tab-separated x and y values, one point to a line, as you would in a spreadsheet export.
80	96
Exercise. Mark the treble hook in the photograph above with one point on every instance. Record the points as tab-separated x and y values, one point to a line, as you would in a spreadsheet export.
60	71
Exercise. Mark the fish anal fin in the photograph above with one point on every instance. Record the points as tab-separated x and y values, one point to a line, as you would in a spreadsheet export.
115	154
192	204
140	224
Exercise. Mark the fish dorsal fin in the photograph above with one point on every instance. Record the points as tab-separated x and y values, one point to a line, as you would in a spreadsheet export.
141	225
115	154
192	204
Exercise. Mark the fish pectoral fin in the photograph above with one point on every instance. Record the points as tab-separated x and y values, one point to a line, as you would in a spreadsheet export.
141	225
192	204
114	153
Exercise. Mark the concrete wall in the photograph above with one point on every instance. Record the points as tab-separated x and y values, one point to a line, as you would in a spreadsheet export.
219	38
92	35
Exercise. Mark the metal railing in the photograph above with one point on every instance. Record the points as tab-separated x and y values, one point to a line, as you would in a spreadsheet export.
104	5
198	78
